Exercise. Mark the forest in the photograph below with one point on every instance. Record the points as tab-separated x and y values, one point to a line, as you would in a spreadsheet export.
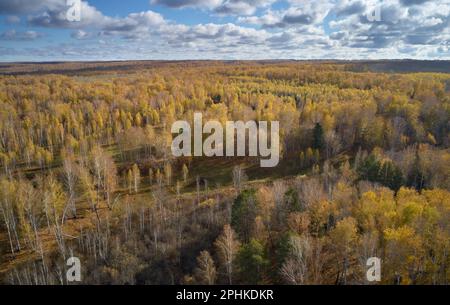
86	171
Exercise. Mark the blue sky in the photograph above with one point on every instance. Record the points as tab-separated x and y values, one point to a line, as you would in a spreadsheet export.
39	30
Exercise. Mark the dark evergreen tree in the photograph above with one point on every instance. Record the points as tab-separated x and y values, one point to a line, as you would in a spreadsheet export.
252	262
292	202
243	213
391	176
369	169
416	178
318	137
385	173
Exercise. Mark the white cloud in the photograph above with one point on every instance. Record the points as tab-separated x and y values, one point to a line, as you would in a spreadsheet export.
80	34
242	7
301	13
56	17
399	26
222	7
304	29
28	6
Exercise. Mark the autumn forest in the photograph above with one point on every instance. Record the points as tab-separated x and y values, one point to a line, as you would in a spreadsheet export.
86	171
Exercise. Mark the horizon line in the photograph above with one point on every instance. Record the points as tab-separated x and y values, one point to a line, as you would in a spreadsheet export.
220	60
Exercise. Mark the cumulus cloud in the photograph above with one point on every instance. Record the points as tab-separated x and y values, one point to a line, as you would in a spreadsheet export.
242	7
413	2
214	35
269	19
56	17
347	8
133	22
80	34
298	18
402	25
133	26
301	13
254	28
28	6
222	7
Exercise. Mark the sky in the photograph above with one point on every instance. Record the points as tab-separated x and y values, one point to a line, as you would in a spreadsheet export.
71	30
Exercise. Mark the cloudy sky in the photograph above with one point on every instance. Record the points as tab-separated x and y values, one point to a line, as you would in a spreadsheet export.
51	30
